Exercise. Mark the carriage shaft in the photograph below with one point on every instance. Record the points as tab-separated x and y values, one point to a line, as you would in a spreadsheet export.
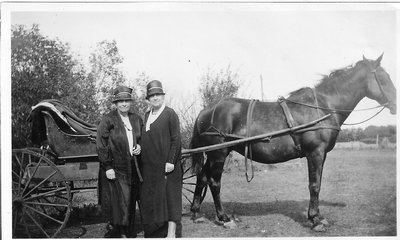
186	152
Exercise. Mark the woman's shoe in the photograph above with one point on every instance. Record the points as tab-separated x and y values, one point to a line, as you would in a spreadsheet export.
112	233
123	231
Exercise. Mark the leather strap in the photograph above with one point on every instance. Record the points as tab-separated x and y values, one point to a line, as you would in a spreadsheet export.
248	153
316	102
318	111
212	115
290	121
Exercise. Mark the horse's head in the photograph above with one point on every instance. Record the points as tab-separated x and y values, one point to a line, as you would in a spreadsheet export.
379	86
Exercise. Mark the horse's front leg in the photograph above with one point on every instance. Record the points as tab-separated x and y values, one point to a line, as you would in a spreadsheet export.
316	160
216	160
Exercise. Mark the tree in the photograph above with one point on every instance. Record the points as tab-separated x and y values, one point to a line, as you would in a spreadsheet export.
187	113
352	134
105	73
218	85
42	68
371	131
138	85
368	135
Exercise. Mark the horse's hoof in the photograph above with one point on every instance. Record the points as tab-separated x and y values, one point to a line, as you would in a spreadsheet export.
186	211
319	228
230	225
325	222
219	222
236	218
199	220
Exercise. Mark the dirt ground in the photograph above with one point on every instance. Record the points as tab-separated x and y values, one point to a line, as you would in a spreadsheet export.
358	198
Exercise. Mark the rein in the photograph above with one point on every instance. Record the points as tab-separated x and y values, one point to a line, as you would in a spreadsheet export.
343	110
350	124
335	110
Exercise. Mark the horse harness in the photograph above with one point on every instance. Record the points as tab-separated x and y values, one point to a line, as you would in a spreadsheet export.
212	130
247	149
289	120
291	123
248	155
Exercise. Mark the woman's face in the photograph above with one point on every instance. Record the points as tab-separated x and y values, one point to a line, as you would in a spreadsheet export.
123	106
156	100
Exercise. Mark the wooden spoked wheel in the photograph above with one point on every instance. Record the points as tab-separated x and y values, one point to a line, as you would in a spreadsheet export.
189	182
41	197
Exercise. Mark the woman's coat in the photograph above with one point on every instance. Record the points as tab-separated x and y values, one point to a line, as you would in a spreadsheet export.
161	195
113	153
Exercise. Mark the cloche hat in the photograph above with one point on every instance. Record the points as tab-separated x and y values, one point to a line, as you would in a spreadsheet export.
122	93
154	87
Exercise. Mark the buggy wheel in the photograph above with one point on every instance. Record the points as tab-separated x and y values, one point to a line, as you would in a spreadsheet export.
189	182
54	159
41	197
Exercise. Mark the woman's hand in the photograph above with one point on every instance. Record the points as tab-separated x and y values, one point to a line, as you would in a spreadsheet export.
110	174
137	149
169	167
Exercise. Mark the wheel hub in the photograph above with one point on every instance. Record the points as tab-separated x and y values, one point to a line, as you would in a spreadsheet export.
18	202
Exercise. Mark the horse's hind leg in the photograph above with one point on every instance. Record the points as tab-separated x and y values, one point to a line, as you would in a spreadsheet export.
316	160
216	161
201	183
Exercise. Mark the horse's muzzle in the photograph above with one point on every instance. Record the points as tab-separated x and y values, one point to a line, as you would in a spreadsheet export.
392	107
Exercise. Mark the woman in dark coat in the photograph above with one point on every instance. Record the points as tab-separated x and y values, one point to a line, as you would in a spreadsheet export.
161	194
118	135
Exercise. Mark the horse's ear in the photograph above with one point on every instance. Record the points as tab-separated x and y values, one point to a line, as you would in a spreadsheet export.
378	61
364	59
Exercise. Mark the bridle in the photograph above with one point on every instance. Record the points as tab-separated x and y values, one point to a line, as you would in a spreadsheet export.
381	105
381	89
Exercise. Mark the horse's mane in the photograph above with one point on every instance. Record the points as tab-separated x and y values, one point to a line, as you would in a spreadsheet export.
339	74
335	75
299	91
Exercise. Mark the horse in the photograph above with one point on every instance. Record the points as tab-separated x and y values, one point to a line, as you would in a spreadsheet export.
337	94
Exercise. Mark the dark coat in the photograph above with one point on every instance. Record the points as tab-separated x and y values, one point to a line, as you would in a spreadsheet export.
161	194
115	196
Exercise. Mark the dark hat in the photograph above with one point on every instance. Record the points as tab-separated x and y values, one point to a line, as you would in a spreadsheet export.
122	93
154	87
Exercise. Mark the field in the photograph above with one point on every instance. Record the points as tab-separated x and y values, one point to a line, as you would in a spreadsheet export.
358	198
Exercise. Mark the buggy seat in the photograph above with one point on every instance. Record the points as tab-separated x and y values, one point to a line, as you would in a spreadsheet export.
65	119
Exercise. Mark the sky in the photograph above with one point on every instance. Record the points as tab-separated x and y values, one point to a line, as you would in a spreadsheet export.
289	46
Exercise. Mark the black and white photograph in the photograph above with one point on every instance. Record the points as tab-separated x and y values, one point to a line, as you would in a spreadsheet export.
199	119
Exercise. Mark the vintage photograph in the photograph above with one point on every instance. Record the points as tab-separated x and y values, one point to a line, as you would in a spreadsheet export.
199	119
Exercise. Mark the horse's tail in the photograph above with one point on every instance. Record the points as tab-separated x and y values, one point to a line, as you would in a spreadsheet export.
195	142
